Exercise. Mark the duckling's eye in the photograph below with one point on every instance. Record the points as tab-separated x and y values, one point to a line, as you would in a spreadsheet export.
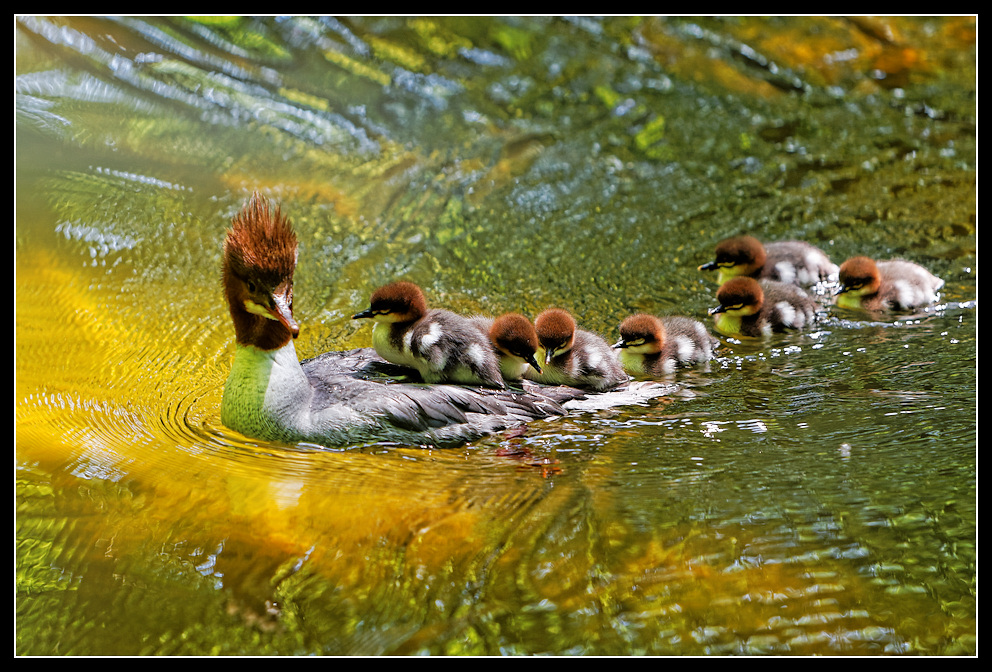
252	287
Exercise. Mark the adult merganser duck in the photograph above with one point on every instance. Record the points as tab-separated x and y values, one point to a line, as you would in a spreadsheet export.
886	285
442	346
655	346
574	357
336	398
753	309
791	261
515	341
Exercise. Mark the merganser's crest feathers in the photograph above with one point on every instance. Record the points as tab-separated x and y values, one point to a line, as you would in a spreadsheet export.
261	242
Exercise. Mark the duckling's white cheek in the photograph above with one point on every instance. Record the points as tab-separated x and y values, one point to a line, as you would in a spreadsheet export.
433	335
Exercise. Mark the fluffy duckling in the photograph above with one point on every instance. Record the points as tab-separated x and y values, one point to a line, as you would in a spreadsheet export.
573	356
442	346
655	346
791	261
753	309
886	285
515	341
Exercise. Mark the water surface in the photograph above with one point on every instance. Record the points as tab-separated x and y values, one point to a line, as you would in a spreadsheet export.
814	493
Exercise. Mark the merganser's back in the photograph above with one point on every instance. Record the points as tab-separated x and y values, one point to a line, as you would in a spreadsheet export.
886	285
655	346
442	346
793	262
754	309
573	356
336	398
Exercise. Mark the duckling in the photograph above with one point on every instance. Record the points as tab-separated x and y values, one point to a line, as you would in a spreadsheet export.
791	261
752	309
515	341
573	356
442	346
336	398
886	285
655	346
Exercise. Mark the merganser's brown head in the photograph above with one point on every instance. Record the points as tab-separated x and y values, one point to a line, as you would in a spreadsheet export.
395	302
641	333
260	254
555	332
740	255
513	334
859	276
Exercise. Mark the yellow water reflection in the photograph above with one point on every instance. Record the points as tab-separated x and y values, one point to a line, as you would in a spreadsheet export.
808	496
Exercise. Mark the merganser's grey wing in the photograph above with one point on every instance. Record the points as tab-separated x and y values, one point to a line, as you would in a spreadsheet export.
360	381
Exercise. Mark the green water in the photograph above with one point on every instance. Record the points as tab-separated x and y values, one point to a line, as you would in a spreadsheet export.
814	493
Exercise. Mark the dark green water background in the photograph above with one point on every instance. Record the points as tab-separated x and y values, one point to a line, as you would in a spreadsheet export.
814	493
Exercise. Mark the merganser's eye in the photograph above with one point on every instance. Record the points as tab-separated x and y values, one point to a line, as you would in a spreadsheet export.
251	287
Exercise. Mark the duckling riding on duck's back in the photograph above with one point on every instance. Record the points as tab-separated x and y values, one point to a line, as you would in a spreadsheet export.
574	356
442	346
